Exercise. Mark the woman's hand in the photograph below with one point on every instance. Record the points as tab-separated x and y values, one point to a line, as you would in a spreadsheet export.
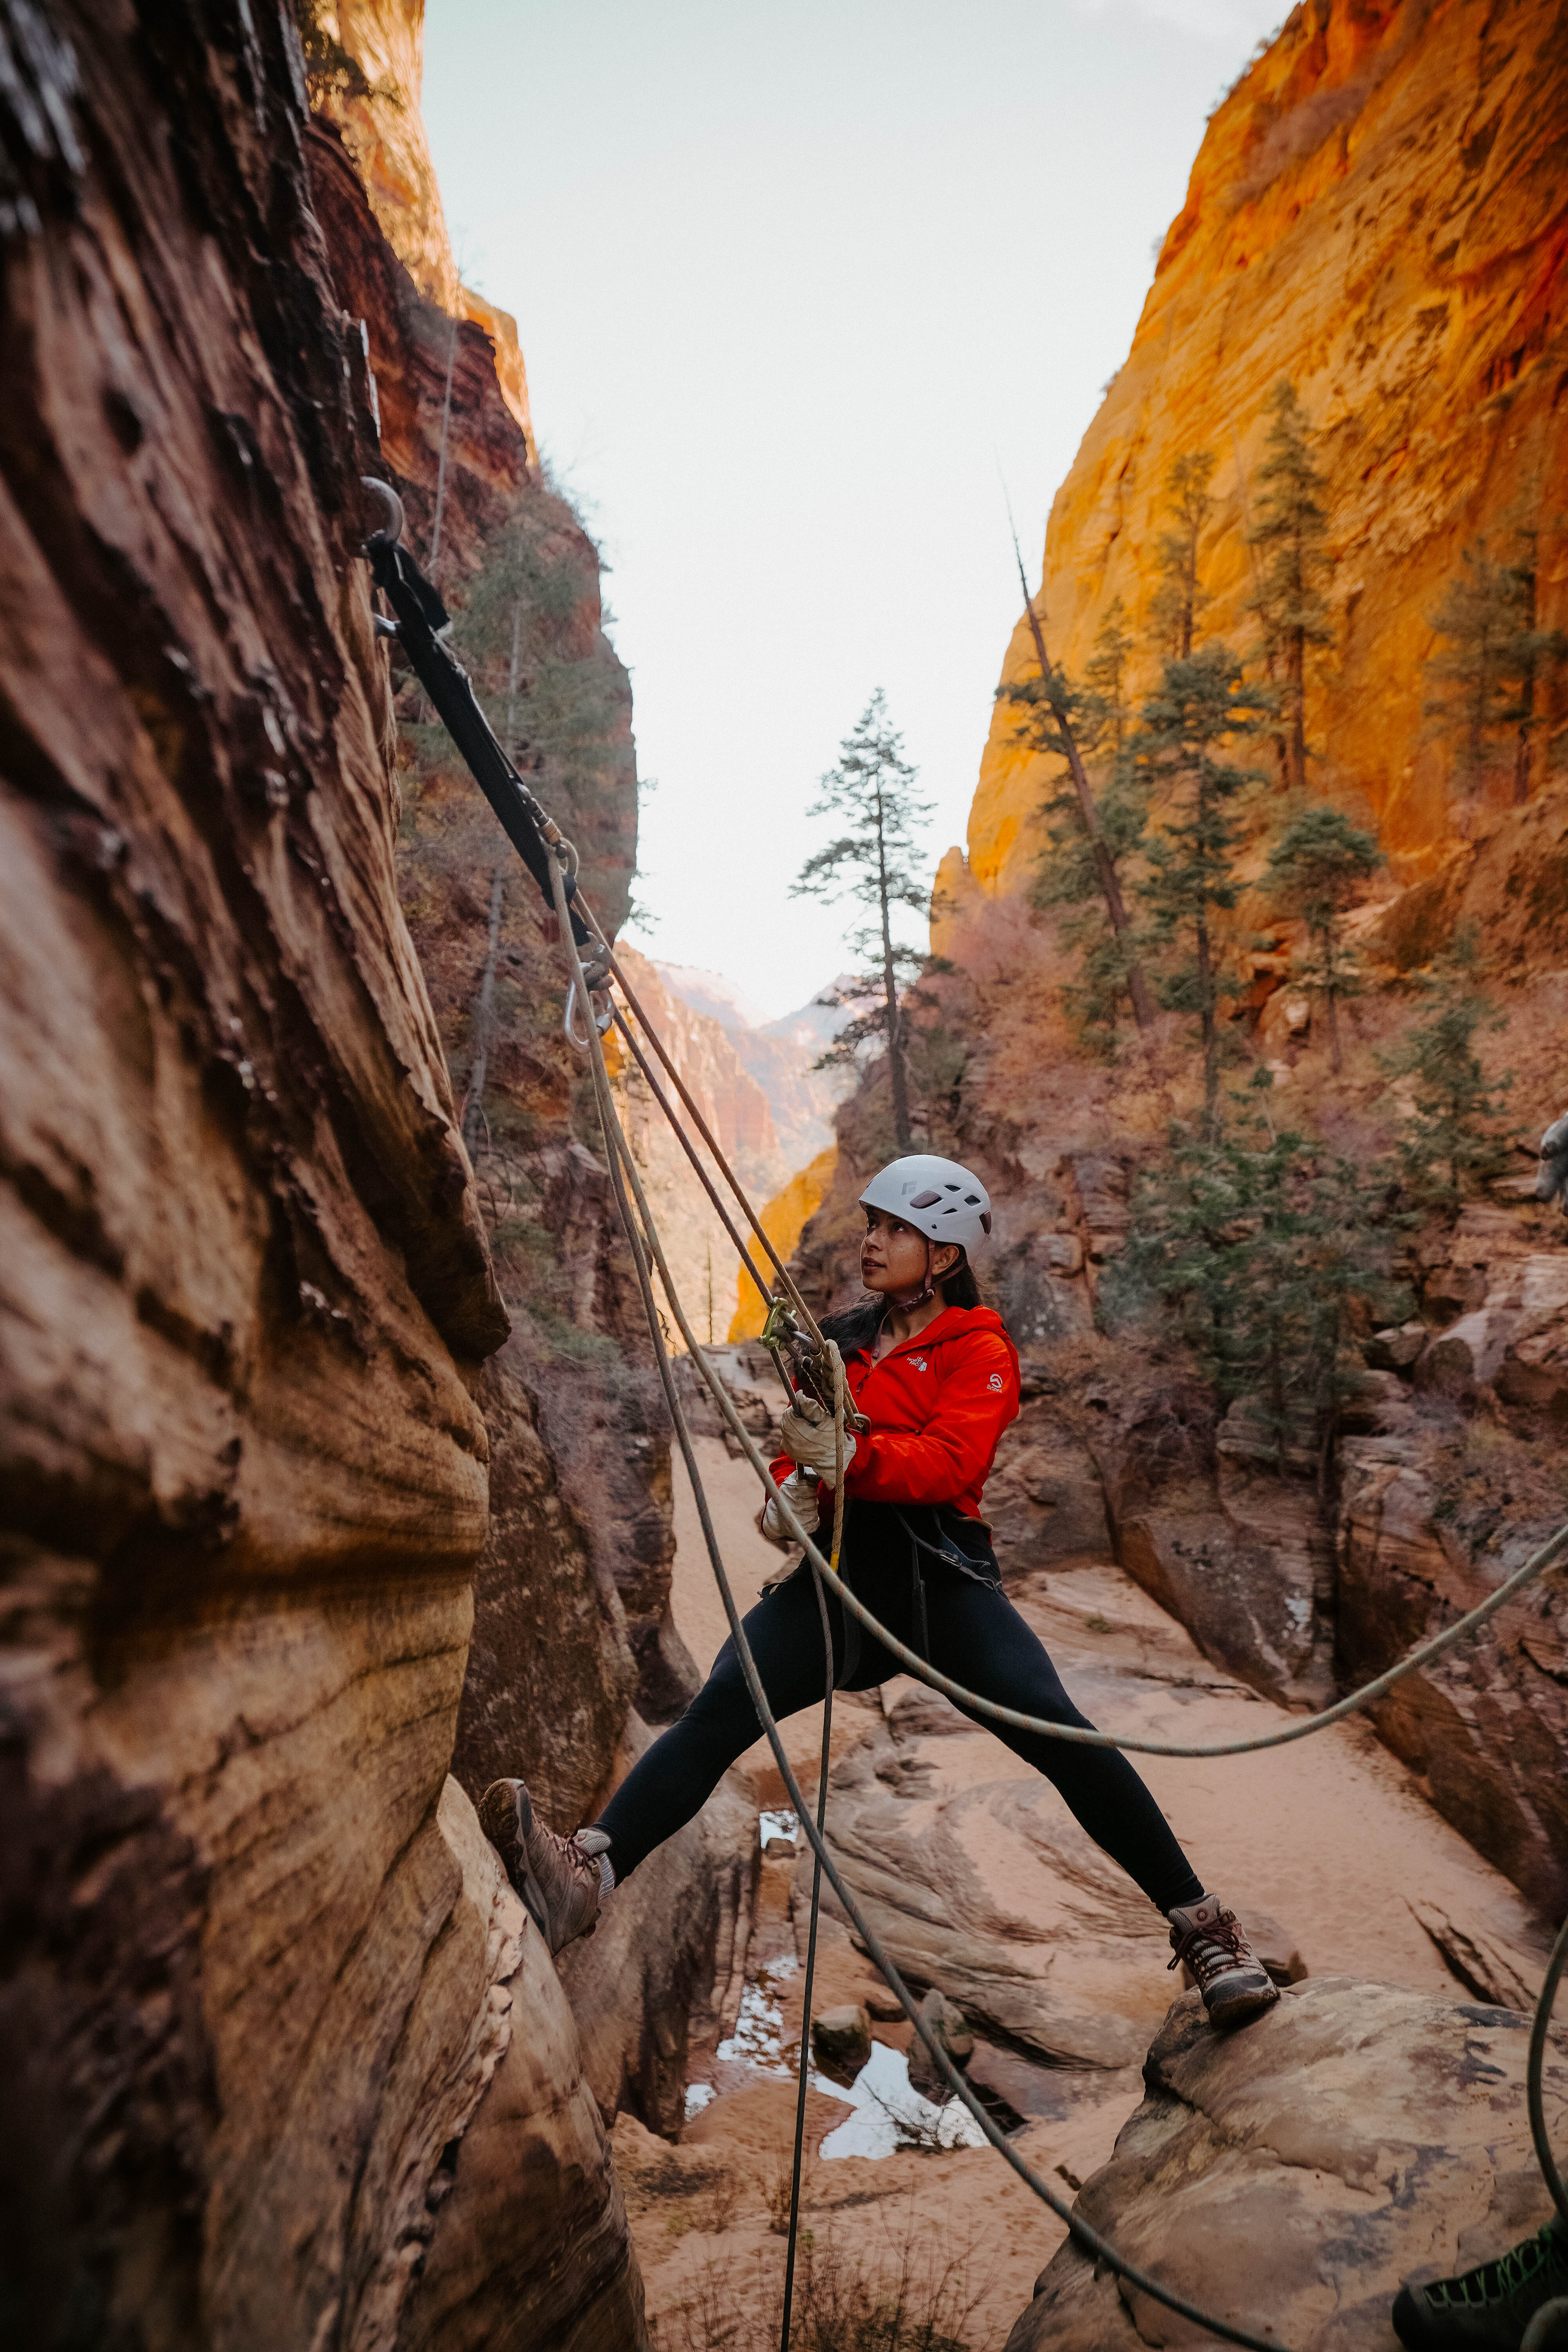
811	1443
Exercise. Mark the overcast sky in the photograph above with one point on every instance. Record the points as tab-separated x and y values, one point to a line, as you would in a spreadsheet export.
795	284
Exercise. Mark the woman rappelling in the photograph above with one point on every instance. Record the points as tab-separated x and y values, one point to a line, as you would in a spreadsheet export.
935	1374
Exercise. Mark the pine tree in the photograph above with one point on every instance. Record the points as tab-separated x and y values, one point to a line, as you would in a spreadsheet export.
1199	708
1318	865
1105	674
1456	1140
1290	528
1057	711
1494	662
873	864
1180	598
1070	869
1066	884
1260	1246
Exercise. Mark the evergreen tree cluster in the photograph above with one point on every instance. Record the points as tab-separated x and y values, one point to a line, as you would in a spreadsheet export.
1264	1248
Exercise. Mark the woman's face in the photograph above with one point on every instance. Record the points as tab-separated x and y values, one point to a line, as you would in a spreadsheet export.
893	1256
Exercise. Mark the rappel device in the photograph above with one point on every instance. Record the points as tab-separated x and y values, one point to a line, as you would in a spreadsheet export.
803	1366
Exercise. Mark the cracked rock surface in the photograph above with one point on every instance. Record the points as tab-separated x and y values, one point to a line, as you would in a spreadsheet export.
1289	2176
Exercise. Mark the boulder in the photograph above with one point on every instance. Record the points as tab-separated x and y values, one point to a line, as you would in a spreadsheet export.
1288	2177
1397	1349
484	2259
841	2041
1228	1539
946	2022
1063	1958
1486	1727
667	1958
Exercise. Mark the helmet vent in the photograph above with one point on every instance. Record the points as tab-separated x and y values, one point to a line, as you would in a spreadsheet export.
925	1200
971	1200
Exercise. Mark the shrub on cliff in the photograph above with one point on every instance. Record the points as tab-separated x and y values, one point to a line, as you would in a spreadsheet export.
1456	1139
1317	867
1266	1250
1494	664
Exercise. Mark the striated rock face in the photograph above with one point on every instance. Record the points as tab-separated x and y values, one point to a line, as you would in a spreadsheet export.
281	2043
1379	211
1289	2176
384	132
250	1987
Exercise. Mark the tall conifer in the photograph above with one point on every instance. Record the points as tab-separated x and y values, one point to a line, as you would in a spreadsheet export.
1290	529
1198	709
1180	597
873	864
1493	663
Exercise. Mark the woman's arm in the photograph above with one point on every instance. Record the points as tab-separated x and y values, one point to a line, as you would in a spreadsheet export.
950	1455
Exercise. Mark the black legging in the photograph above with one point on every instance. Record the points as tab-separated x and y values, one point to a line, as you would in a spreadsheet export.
976	1636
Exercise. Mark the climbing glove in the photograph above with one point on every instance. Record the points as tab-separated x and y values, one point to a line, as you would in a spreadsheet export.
811	1443
800	1494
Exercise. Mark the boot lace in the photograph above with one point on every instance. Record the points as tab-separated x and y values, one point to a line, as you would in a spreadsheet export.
1495	2282
570	1853
1213	1949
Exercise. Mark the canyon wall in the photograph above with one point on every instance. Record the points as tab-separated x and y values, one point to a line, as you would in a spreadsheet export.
1379	212
573	1651
281	2040
378	114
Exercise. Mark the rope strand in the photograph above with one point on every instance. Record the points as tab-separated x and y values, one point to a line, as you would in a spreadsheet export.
618	1153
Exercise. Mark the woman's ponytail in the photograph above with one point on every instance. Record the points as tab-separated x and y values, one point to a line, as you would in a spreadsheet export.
959	1288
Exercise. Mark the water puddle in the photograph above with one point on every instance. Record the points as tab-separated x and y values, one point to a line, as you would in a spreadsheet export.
890	2113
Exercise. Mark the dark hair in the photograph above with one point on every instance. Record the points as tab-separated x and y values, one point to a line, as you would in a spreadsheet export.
959	1288
857	1326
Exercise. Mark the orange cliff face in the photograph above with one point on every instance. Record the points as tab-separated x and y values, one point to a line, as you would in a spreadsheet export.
384	133
1379	211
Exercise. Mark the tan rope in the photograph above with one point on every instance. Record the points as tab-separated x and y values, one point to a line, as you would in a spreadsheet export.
706	1132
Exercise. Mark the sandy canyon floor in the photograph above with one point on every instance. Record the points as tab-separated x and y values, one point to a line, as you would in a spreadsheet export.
972	1863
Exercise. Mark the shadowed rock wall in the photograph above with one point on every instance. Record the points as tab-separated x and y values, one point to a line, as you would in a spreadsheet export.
258	1968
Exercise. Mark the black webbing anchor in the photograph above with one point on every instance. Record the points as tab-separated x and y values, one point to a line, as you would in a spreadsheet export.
421	627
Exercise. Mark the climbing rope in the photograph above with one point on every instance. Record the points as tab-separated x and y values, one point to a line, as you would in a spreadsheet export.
421	622
642	1235
804	2068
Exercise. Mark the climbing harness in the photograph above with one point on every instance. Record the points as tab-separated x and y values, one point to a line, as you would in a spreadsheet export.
807	1359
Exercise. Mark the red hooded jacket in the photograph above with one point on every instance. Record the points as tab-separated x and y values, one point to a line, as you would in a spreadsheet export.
937	1404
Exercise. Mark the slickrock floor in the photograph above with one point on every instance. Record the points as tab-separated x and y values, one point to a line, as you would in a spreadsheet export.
970	1866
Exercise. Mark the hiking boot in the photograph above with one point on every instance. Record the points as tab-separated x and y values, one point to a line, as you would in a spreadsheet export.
1212	1943
1487	2309
557	1878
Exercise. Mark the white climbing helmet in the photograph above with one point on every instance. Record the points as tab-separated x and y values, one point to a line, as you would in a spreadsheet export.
937	1197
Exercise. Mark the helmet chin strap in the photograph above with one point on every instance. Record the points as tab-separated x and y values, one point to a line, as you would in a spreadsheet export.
910	1300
